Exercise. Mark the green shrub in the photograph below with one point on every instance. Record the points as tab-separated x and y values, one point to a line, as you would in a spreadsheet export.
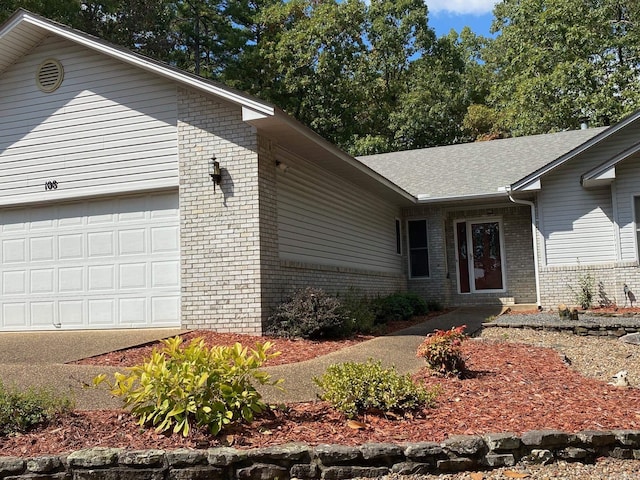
441	349
357	388
418	304
359	312
179	387
392	308
434	306
20	411
309	313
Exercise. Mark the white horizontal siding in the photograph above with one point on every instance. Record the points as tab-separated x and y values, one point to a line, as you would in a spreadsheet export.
577	223
627	186
325	220
109	128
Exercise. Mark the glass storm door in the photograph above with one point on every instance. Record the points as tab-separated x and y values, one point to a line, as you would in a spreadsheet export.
480	262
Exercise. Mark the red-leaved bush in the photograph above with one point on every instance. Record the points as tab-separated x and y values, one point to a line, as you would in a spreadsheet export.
441	349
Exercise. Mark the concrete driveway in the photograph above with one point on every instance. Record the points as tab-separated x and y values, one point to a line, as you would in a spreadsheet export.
39	359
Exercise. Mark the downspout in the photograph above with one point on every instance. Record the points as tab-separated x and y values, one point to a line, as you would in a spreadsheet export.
534	231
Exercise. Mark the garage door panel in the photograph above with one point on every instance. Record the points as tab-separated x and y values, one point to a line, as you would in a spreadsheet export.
164	309
164	239
43	314
42	281
13	283
14	314
91	264
71	313
133	311
100	244
132	242
101	313
101	277
71	279
41	249
14	251
70	246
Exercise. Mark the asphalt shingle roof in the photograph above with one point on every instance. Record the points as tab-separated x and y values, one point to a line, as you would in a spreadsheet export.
477	168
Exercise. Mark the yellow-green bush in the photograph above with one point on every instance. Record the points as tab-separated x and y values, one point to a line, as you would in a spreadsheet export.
178	387
356	388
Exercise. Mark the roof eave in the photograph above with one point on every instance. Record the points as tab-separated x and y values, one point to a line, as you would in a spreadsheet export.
596	139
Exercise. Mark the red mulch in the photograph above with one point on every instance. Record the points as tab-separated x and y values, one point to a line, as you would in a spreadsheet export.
291	351
512	388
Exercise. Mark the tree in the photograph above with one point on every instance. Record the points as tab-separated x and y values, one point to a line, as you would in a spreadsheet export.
561	61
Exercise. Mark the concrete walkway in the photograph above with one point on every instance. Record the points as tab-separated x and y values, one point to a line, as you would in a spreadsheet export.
39	359
398	349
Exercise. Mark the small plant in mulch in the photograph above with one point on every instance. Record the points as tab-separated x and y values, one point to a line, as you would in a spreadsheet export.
355	388
443	353
21	411
180	387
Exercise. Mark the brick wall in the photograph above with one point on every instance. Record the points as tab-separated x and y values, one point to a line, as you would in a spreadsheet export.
560	284
219	230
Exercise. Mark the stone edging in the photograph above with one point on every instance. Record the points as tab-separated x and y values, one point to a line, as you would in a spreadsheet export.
329	462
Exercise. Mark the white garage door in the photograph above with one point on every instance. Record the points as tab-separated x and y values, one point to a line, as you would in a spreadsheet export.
100	263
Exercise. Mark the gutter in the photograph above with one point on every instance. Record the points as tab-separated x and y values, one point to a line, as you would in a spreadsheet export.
534	231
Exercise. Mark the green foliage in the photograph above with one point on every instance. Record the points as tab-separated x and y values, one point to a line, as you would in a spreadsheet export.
309	313
359	311
586	290
434	306
178	387
20	411
441	349
357	388
563	60
398	306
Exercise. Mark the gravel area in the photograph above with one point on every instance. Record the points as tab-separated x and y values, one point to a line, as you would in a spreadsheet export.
546	319
605	469
595	357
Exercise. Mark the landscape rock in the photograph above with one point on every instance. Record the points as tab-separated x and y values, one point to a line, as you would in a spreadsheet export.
94	457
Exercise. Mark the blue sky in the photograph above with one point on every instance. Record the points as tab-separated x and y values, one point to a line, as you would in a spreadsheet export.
447	14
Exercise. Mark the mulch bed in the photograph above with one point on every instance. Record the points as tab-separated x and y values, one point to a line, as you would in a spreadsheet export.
511	388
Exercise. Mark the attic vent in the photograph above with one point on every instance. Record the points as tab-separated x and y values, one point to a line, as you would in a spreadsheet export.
49	76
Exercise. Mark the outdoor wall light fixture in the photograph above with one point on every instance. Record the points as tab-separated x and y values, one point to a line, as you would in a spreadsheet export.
215	172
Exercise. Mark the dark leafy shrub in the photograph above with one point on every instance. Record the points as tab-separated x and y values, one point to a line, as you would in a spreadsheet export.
21	411
178	387
418	304
391	308
434	306
357	388
309	313
359	311
442	351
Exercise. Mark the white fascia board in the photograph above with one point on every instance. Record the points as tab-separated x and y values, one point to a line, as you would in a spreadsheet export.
426	198
11	24
604	178
149	65
532	187
607	170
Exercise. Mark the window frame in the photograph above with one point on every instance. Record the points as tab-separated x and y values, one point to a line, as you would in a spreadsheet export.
426	248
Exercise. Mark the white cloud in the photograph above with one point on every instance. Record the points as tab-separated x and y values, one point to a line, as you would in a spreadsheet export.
461	7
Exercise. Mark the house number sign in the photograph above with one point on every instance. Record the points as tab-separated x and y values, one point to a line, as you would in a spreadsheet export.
51	185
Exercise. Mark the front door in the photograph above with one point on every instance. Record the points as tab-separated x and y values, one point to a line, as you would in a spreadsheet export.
479	255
